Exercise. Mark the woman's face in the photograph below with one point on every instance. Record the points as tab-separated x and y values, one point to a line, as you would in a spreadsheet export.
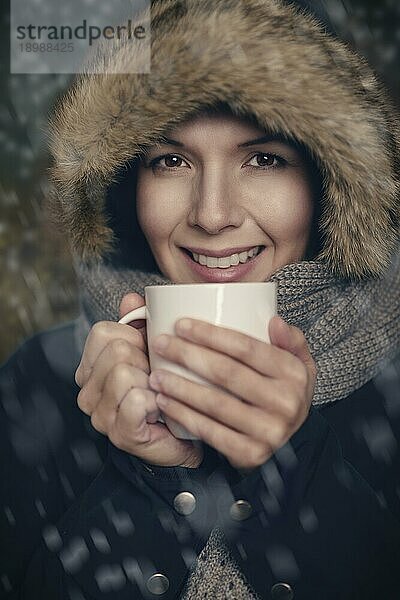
212	192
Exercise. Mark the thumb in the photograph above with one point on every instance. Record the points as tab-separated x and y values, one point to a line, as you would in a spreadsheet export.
290	338
129	302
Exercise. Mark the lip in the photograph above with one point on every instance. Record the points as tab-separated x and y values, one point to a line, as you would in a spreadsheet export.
221	253
234	273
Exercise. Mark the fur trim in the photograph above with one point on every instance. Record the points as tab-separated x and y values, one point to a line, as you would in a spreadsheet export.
263	57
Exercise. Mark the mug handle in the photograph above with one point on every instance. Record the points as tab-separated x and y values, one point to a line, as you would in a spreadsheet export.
133	315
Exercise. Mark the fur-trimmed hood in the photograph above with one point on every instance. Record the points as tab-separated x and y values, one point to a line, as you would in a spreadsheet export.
266	58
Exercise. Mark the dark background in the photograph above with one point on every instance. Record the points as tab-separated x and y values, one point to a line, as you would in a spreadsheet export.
37	284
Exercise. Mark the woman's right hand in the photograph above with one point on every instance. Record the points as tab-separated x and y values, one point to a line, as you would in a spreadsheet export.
113	376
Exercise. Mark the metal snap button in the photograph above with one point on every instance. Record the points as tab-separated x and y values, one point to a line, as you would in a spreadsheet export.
157	584
282	591
184	503
240	510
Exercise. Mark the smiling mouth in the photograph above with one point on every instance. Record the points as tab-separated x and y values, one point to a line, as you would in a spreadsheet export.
225	262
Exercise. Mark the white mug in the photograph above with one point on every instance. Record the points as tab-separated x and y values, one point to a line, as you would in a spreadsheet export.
245	307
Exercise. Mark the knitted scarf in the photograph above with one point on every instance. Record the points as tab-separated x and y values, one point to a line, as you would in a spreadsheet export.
352	329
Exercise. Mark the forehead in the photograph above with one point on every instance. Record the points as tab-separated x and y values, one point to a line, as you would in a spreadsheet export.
209	120
212	129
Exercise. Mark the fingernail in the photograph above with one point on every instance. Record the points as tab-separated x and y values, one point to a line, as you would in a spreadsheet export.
162	400
155	380
278	318
161	342
184	325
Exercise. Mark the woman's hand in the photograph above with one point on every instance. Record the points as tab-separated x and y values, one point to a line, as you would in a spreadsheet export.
264	390
114	379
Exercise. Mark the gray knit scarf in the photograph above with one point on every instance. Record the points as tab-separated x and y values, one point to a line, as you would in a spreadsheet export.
352	329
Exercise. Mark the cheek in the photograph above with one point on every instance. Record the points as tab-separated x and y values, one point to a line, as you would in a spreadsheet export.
141	193
287	208
157	209
149	217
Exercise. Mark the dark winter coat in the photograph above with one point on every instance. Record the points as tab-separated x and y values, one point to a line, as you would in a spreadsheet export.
81	519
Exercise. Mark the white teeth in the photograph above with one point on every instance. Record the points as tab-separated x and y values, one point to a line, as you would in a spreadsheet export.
227	261
224	263
212	261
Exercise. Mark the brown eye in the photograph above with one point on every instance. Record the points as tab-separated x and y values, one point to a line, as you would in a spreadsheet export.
172	161
167	161
265	159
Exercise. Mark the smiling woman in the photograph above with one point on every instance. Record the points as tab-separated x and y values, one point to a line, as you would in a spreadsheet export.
241	159
229	188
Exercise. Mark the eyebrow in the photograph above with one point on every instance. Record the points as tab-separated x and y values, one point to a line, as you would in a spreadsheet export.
166	140
261	140
270	137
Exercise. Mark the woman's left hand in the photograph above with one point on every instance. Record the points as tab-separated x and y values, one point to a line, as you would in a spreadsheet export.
264	390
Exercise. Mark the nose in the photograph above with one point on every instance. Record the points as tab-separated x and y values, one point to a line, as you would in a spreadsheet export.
215	204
